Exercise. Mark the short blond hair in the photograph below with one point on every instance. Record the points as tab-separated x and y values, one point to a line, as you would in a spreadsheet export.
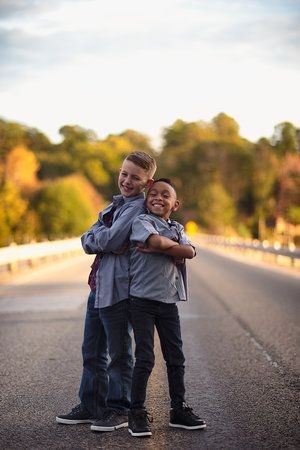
143	160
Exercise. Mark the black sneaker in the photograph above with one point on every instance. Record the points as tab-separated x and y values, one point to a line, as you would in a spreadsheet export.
138	420
183	417
78	415
111	420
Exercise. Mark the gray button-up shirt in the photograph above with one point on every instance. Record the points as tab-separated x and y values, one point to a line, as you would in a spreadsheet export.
112	280
155	276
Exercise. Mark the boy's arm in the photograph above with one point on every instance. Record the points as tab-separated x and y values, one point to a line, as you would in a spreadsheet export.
161	244
99	238
149	240
87	239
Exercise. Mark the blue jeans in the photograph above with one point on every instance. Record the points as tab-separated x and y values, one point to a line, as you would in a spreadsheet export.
145	315
104	382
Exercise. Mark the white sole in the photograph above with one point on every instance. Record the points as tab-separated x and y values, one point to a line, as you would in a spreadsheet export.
143	433
98	428
186	427
73	422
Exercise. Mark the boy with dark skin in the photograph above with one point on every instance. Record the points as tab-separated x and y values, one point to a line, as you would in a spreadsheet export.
157	281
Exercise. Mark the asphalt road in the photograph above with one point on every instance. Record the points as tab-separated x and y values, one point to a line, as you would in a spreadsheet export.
241	338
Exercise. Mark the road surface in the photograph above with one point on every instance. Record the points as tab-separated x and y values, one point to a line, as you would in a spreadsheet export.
241	338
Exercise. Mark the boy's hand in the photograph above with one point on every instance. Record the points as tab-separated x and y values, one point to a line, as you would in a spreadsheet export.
144	248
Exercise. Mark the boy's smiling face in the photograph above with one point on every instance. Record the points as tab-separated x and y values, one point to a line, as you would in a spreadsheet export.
162	200
132	179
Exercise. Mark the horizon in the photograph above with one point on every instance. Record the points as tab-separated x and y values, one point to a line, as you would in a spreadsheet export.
59	138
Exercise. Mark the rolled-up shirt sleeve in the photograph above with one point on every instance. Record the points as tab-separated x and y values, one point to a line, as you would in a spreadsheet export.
142	228
183	239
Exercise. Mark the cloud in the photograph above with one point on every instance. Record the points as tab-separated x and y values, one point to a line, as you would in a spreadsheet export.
11	8
26	8
112	65
36	35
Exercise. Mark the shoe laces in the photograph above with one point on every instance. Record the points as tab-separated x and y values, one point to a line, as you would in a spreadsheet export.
143	414
77	408
108	414
188	410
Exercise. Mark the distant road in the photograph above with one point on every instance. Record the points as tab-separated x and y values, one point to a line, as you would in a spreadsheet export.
241	339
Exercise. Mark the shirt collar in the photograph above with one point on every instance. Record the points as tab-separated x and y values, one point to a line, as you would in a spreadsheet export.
168	221
119	199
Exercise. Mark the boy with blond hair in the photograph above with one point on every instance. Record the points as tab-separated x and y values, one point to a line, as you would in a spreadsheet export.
105	388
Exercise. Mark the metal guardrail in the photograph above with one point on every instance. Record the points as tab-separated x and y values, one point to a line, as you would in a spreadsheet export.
17	256
267	252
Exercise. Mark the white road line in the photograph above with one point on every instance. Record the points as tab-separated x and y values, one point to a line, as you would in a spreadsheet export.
264	352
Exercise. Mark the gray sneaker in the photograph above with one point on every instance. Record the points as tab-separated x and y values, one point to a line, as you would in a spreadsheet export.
110	421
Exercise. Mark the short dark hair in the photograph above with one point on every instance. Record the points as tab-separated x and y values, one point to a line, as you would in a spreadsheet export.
165	180
143	160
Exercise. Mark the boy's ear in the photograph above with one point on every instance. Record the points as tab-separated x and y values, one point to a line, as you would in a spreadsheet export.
149	183
176	205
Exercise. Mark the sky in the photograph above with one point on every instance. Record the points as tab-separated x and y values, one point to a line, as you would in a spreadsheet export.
118	64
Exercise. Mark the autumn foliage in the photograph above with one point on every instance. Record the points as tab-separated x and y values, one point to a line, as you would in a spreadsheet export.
227	184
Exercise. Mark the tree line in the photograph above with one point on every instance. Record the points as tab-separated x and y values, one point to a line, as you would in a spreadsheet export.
227	184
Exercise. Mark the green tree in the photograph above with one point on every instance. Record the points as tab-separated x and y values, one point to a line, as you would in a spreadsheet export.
98	160
138	141
289	189
264	179
75	133
107	155
225	127
216	211
11	135
68	156
286	138
63	208
199	155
